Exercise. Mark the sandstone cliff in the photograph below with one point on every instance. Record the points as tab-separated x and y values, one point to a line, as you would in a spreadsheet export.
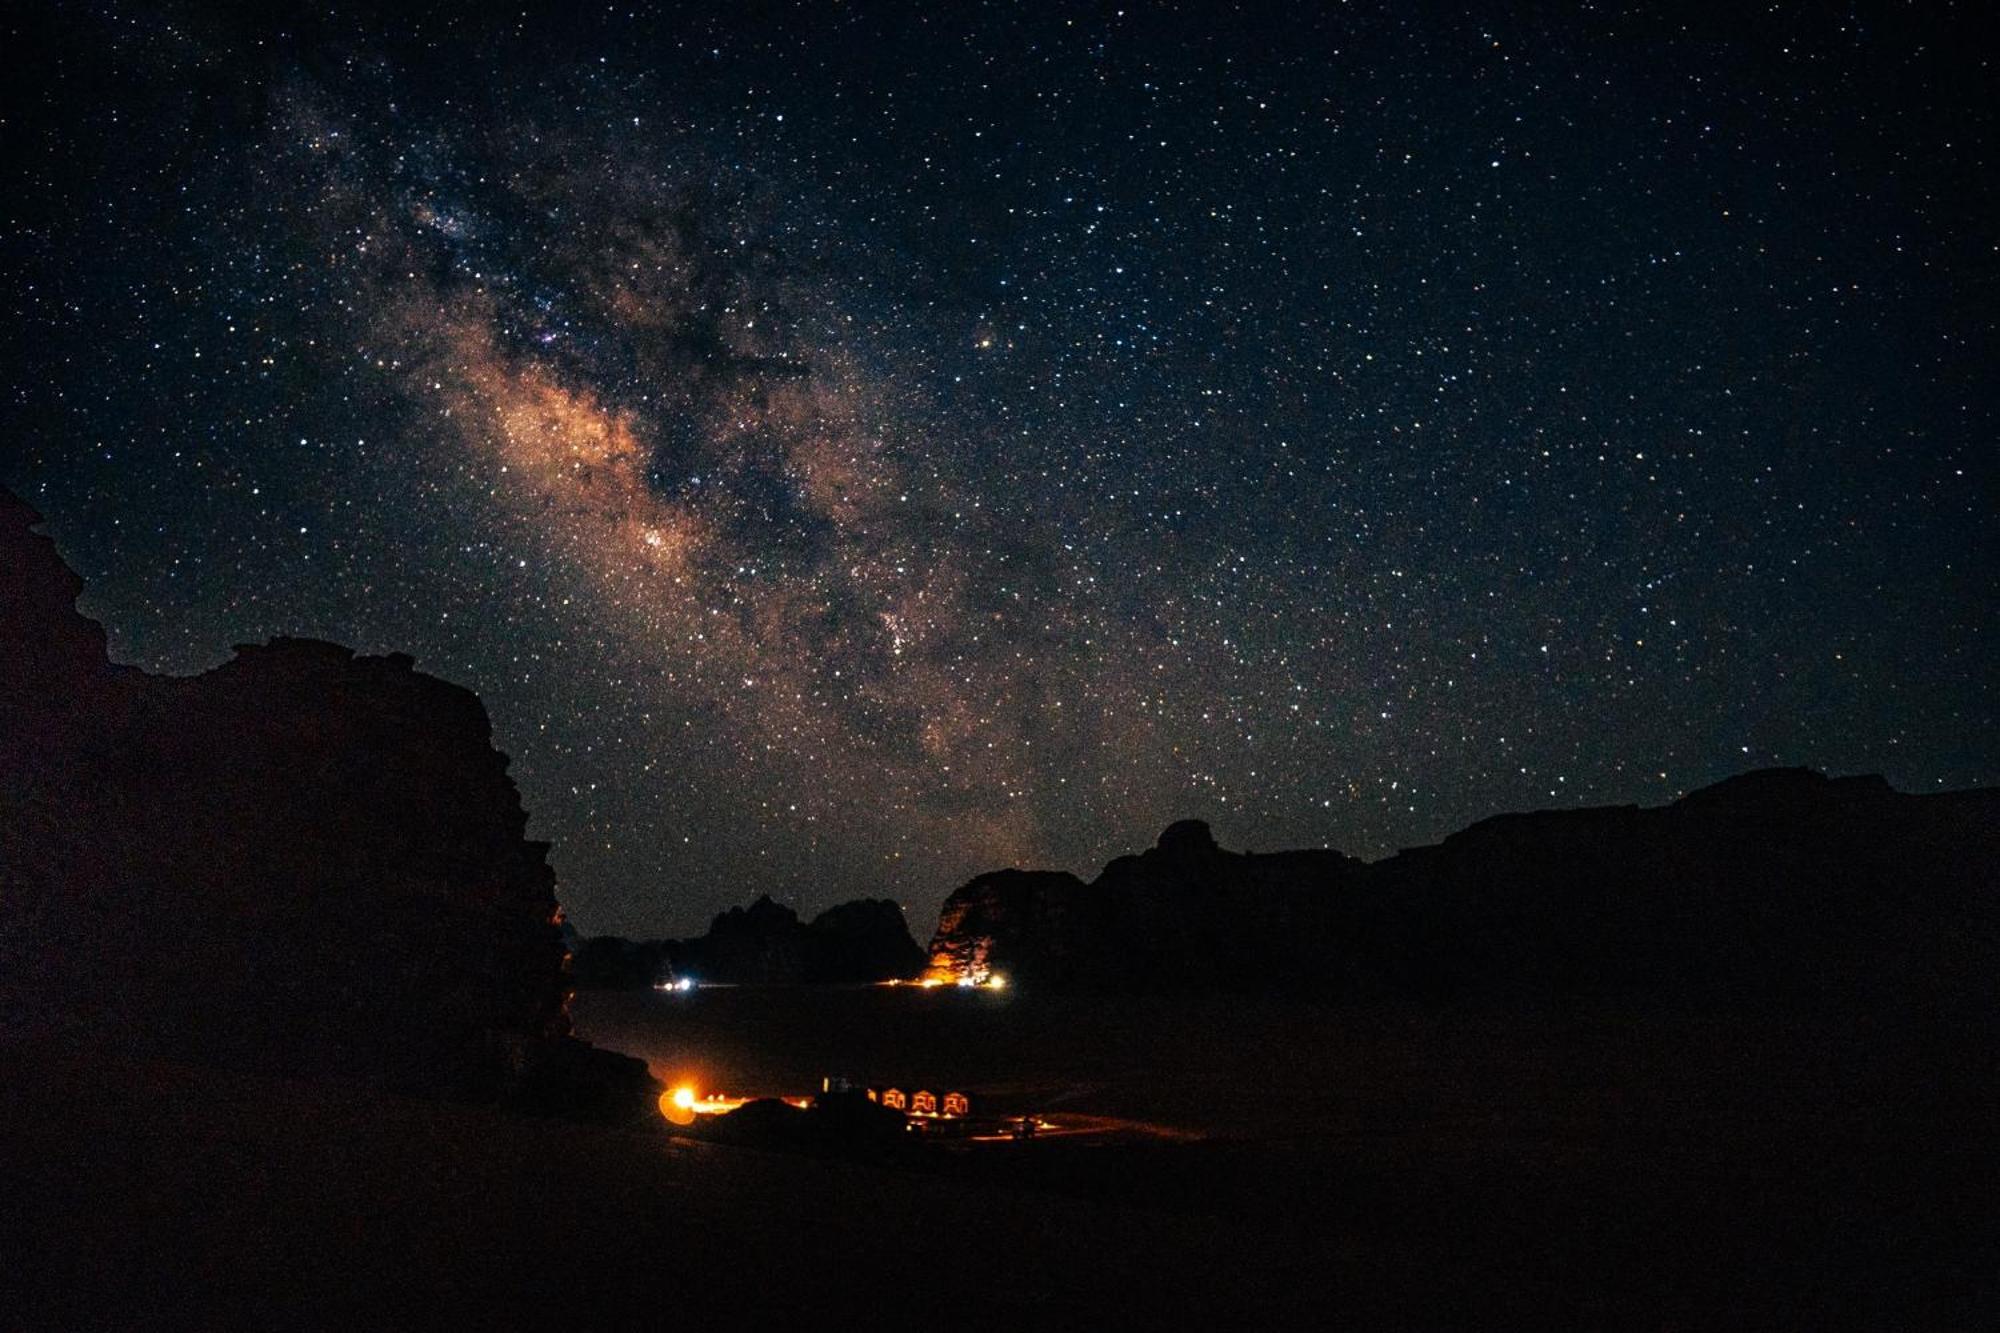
303	861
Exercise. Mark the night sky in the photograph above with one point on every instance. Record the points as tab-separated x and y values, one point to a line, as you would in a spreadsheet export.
849	450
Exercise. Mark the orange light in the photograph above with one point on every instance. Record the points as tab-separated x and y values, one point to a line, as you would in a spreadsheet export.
678	1106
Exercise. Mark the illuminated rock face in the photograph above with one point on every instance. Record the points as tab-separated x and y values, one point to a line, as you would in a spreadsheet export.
1781	883
1030	926
303	861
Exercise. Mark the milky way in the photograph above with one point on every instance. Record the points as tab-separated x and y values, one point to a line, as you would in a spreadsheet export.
849	451
678	422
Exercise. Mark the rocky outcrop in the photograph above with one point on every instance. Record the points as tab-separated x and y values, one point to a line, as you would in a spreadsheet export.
1781	882
860	941
763	944
759	945
841	1123
304	861
1038	925
1182	915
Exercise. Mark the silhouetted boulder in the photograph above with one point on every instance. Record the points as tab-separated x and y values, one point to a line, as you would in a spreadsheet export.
303	861
764	1123
847	1119
840	1122
1778	883
1187	841
578	1081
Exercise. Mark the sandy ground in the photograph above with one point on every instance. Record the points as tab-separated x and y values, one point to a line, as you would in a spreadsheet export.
173	1196
1411	1172
1759	1165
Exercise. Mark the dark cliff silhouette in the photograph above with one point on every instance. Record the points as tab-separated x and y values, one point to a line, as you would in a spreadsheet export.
1780	882
303	861
763	944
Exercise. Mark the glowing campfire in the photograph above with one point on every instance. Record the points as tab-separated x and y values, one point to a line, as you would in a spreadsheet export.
932	980
680	1105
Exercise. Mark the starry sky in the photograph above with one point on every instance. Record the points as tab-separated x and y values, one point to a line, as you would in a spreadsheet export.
850	446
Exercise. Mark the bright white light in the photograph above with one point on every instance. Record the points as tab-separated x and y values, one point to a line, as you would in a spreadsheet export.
678	1106
997	982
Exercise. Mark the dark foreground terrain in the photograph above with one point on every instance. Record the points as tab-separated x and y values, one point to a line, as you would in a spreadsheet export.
1394	1170
161	1195
1767	1166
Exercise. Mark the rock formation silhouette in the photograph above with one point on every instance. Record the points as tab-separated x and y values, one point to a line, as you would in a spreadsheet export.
1781	882
763	944
304	861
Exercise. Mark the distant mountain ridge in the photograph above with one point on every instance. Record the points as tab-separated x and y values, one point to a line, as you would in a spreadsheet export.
1779	881
762	944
